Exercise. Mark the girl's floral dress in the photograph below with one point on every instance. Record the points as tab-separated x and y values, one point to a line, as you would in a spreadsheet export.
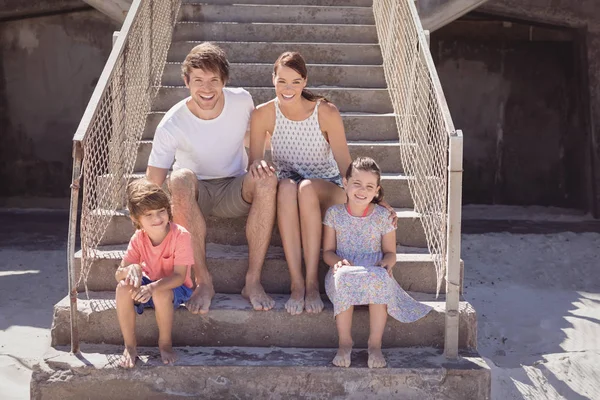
358	239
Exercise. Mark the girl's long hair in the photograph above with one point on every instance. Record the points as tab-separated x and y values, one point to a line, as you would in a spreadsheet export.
369	165
295	61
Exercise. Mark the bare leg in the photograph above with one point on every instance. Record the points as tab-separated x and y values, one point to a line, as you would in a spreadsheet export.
126	316
163	307
377	320
259	228
343	321
314	197
183	185
288	221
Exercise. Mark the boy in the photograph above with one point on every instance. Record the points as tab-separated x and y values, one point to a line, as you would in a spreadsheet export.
155	271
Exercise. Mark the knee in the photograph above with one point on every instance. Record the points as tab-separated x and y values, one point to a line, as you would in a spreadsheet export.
183	183
162	296
123	289
288	189
307	191
267	185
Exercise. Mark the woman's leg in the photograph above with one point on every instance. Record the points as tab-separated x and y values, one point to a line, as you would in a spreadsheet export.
343	321
126	317
377	320
288	222
315	196
163	307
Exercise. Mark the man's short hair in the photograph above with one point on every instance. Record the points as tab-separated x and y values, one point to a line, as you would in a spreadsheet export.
144	196
208	57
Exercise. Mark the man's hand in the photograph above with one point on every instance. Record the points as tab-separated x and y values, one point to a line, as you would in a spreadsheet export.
393	215
134	275
261	169
340	264
389	268
143	294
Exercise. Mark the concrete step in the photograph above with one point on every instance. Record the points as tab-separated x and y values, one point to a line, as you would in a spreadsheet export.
395	187
232	231
270	32
339	3
228	265
259	13
375	127
260	52
387	154
257	75
231	321
357	100
435	14
258	373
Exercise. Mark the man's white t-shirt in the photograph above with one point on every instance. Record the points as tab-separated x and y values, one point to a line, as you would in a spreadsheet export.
210	148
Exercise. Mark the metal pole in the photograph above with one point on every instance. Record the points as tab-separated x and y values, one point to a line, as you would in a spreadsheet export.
77	159
455	167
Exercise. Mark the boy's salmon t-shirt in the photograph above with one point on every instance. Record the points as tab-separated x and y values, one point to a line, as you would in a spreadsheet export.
158	262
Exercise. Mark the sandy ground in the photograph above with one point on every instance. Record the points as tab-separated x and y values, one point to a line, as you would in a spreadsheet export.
537	298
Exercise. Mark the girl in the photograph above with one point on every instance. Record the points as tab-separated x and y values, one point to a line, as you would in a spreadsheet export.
359	244
155	271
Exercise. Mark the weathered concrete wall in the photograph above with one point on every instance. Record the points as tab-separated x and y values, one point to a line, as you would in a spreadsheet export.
49	68
513	89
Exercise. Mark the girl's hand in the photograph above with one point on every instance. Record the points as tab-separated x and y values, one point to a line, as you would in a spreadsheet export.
134	275
393	215
261	169
340	264
143	294
389	268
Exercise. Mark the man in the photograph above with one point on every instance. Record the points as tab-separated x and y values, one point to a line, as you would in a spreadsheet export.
204	136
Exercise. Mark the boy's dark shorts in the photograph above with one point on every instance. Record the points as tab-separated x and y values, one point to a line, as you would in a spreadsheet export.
181	294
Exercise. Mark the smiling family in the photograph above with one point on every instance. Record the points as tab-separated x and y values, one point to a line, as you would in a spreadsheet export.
203	138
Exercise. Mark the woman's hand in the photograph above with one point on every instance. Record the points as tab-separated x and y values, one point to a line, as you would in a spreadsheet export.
340	264
393	215
261	169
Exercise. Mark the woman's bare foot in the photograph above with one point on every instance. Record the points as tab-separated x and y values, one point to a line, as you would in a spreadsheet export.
129	357
343	357
167	354
199	302
376	358
295	304
312	301
255	294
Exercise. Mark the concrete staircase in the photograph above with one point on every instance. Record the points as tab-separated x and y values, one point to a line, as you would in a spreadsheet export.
235	352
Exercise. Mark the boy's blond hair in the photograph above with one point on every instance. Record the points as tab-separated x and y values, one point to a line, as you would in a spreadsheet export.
143	196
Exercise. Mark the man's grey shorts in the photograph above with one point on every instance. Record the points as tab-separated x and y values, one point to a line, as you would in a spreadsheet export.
222	197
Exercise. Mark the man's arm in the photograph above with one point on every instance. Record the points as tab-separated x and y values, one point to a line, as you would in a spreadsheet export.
156	175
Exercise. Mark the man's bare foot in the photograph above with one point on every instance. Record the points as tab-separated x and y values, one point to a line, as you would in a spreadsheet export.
199	302
255	294
295	304
129	357
312	301
376	358
167	354
343	357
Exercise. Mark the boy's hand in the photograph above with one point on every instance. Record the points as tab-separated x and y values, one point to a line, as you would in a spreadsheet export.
340	264
142	295
134	275
389	268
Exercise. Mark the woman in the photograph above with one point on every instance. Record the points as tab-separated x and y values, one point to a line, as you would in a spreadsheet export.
309	150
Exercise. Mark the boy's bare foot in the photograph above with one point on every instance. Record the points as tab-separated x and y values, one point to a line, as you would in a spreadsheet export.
376	358
129	357
343	357
256	295
167	354
295	304
312	301
199	302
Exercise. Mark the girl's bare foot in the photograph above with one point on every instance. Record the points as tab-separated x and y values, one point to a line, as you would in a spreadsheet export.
129	357
295	304
167	354
376	358
343	357
312	301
